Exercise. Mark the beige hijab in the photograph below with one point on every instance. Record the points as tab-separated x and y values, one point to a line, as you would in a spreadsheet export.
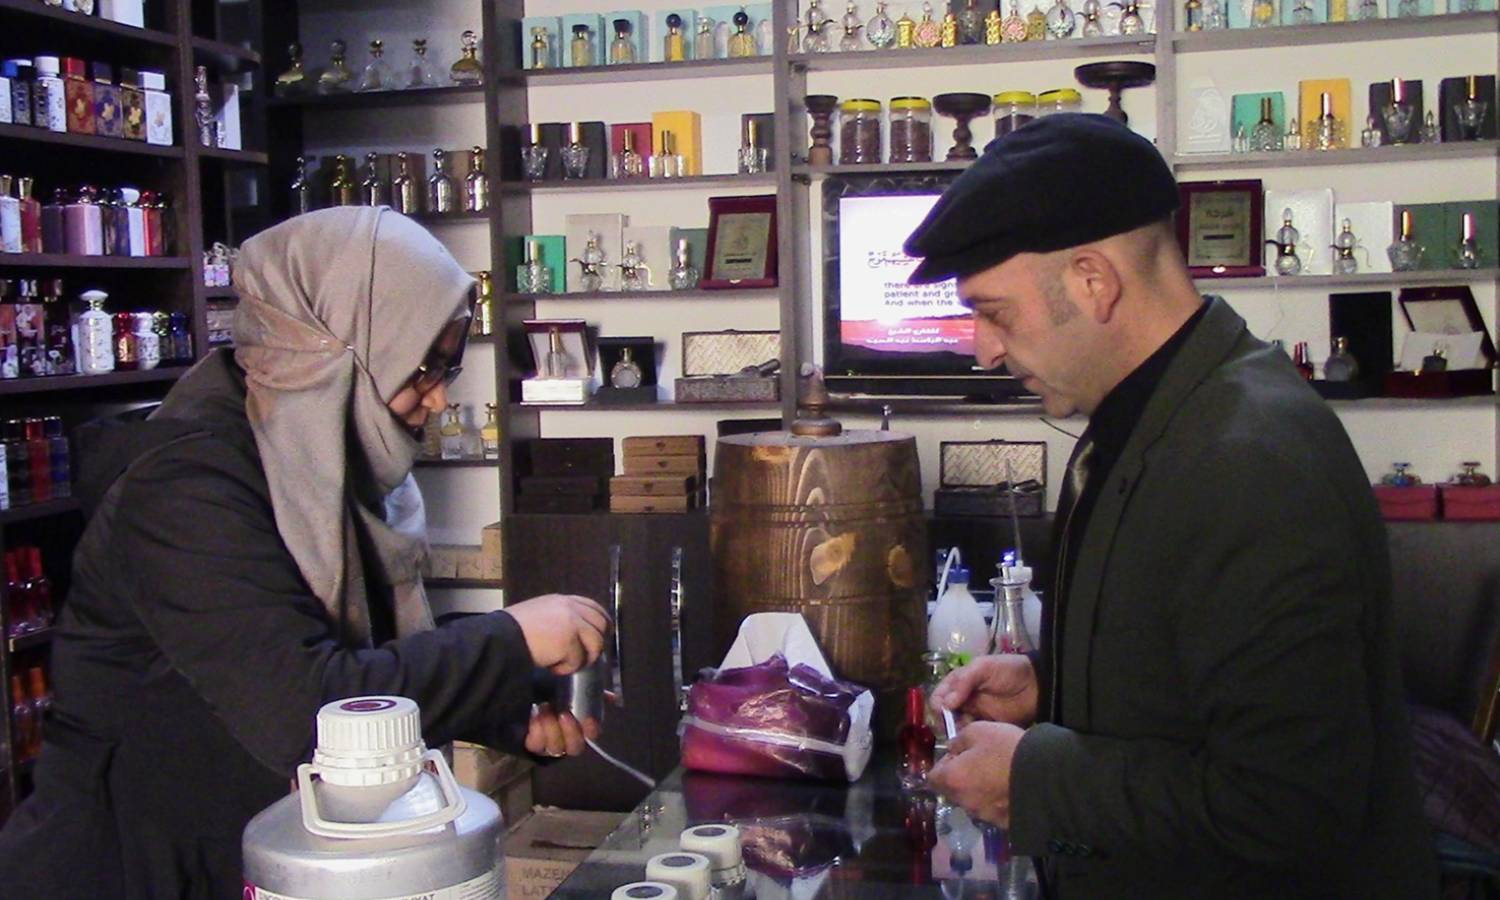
337	309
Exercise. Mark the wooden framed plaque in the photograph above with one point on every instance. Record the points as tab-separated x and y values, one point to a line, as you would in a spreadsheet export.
741	250
1220	228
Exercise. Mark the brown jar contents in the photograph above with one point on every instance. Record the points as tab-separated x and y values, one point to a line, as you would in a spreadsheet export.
859	132
911	130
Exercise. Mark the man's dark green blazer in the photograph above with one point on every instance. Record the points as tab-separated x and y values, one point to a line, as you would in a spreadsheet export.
1231	721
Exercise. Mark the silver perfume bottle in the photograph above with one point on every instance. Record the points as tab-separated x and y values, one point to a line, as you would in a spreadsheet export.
1400	116
1061	22
668	163
1344	262
1341	364
1327	131
421	73
1467	252
815	25
705	46
534	156
203	109
752	156
1287	237
377	75
406	196
1470	111
575	156
625	373
373	191
880	31
1265	137
532	276
627	163
476	183
683	275
591	265
1430	132
1404	252
336	79
851	26
1370	136
635	275
442	193
557	362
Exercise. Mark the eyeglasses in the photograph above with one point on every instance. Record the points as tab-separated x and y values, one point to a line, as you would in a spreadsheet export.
443	362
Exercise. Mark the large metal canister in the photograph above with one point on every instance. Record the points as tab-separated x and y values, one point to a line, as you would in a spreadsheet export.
829	526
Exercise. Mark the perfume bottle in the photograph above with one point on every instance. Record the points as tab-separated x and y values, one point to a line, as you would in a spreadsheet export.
1430	132
1193	15
581	47
704	45
406	198
1092	26
575	156
203	109
1265	137
1370	136
1241	143
628	163
1263	13
752	157
992	34
968	24
1036	25
625	373
674	42
1010	634
1341	364
851	26
373	191
336	79
1469	477
467	70
1400	116
1302	14
1368	10
1344	262
1302	359
377	75
420	74
452	434
1213	16
489	433
483	324
442	193
815	24
881	31
342	191
742	42
683	275
635	275
668	163
1468	245
1402	476
476	183
1326	132
948	30
1293	139
1470	111
1404	252
1408	9
532	275
1130	18
557	362
1060	20
541	48
534	156
292	82
1287	238
1013	29
95	338
621	49
917	743
591	265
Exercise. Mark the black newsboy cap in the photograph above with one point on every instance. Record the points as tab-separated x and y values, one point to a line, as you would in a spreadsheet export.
1061	181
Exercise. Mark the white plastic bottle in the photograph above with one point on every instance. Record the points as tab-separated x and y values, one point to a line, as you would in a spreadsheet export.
957	625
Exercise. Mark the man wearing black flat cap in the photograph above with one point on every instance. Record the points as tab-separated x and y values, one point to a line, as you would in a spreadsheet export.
1216	711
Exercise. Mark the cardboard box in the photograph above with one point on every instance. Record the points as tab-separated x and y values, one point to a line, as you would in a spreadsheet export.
686	127
552	25
663	465
490	546
544	850
1471	503
621	503
652	485
442	561
598	39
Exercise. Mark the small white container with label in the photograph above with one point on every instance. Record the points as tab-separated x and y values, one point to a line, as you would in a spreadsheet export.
126	12
10	218
147	341
135	219
158	109
93	336
48	101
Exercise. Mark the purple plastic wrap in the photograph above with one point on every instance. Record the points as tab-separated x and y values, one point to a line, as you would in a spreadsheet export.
769	719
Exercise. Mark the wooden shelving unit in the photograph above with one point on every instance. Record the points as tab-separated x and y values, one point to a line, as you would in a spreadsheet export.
70	261
33	511
26	134
703	182
436	96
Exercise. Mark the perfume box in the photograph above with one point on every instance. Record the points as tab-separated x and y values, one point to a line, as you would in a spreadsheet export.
1486	232
625	503
109	103
553	136
574	382
1318	9
1245	112
126	12
1418	502
686	127
1380	97
1310	104
653	485
1364	320
595	136
566	456
719	367
654	246
598	37
609	228
640	132
1312	216
1465	502
697	239
552	26
1371	224
660	29
554	257
1429	222
557	503
1454	91
1237	13
612	353
664	445
639	36
1204	122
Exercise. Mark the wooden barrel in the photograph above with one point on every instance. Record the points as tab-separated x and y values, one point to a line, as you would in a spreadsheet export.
832	528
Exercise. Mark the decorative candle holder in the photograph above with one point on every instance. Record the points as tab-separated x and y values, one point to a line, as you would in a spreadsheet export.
1116	76
821	108
962	107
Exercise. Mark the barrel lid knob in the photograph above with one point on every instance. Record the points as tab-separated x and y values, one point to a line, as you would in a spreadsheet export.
811	400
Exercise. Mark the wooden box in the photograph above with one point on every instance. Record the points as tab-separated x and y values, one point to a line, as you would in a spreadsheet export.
727	366
652	485
584	485
556	503
663	465
664	445
623	503
566	456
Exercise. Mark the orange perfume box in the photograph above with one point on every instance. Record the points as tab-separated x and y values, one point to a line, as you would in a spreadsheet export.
687	129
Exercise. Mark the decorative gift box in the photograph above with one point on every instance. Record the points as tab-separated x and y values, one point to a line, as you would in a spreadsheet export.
653	485
721	367
1472	503
1418	502
572	384
976	477
559	485
1447	320
630	380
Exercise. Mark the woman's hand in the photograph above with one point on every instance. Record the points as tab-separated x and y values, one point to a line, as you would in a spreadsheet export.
550	734
564	632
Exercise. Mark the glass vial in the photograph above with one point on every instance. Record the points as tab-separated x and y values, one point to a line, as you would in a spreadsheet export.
557	362
683	275
468	69
575	156
1404	252
442	194
377	75
476	183
622	48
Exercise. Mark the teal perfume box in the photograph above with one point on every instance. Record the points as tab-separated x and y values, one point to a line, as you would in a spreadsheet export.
635	31
596	33
1245	112
552	26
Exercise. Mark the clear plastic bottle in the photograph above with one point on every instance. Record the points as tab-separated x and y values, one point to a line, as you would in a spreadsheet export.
957	626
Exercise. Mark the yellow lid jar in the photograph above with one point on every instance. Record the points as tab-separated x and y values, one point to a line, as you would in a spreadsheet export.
859	132
1012	110
911	129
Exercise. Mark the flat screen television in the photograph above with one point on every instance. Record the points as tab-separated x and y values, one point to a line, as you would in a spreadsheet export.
882	335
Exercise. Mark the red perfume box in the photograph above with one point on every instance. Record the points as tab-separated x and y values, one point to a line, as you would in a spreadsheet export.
1402	504
1472	503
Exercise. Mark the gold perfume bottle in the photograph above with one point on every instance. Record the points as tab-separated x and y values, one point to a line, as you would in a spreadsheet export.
483	323
1036	25
674	42
582	47
742	42
337	77
476	183
992	27
929	33
950	30
467	70
451	435
405	197
906	32
622	48
292	82
342	189
541	49
489	434
441	194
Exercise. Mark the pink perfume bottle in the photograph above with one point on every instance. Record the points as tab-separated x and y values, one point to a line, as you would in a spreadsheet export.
916	741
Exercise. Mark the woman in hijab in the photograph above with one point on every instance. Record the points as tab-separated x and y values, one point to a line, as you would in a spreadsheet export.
252	552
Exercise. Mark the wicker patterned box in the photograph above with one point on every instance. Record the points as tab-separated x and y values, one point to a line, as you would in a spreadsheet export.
714	364
975	474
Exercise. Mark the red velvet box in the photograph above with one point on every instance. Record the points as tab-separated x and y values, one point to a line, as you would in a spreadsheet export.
642	132
1469	502
1413	503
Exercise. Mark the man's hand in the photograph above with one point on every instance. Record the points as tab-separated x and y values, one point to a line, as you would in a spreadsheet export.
552	735
998	688
563	632
975	774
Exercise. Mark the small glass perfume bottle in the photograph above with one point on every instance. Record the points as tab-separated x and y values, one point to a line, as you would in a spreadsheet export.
1092	26
476	183
1263	13
815	25
1470	111
1368	10
1241	142
851	26
674	42
1013	29
377	75
622	48
881	30
1468	244
628	163
1303	14
575	156
293	82
906	32
1061	20
557	362
1400	115
917	743
489	433
468	69
442	193
591	265
452	434
302	198
683	275
1430	132
704	45
1341	364
1287	238
336	79
581	47
1265	137
1302	359
1344	245
373	191
668	163
1408	9
1130	18
342	191
1213	15
484	306
1370	136
532	275
1036	25
970	22
625	373
1404	252
1293	139
406	197
742	42
1193	15
541	48
635	275
420	74
203	109
534	156
752	156
1326	132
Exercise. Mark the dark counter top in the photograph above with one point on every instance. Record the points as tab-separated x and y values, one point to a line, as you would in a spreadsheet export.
811	839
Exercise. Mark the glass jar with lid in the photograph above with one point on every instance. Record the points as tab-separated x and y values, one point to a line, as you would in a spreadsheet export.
1012	110
859	132
1065	100
911	129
